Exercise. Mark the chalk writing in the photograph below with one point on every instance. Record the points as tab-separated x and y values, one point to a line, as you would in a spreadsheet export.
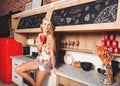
31	21
88	13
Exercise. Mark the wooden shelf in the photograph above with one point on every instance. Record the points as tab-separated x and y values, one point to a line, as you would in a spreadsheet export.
89	27
86	51
35	30
31	45
116	54
78	50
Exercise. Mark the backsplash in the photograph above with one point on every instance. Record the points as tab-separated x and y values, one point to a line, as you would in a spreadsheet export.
87	57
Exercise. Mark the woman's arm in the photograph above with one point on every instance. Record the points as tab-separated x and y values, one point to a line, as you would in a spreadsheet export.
38	43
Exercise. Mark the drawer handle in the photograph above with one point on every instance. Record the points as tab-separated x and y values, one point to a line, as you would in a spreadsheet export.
60	84
16	64
15	76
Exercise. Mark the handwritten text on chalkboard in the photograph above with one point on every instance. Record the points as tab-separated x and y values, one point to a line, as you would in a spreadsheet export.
31	21
89	13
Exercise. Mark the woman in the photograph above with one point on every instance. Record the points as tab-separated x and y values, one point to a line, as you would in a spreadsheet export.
45	60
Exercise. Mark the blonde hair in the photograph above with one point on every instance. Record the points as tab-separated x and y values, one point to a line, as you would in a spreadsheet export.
51	31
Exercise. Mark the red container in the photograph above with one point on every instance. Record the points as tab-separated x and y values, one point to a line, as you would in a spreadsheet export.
8	47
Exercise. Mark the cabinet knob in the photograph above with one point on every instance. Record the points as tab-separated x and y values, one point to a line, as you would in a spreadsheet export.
16	64
15	76
60	84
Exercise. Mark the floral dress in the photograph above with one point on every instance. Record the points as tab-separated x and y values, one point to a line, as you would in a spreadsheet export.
44	59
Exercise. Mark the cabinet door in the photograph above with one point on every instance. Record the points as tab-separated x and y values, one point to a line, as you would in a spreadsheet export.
15	63
53	79
50	80
61	81
73	83
17	79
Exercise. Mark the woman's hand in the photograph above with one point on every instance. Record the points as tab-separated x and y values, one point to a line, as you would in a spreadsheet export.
43	38
56	70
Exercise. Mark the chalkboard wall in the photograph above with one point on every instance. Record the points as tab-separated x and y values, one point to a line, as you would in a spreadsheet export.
93	12
31	21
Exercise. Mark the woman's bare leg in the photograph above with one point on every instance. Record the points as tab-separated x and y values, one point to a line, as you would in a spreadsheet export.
24	68
41	76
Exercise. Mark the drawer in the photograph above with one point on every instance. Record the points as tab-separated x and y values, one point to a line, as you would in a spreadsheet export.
63	81
15	63
74	83
17	79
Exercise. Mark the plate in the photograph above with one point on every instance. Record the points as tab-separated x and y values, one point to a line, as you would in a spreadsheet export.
68	59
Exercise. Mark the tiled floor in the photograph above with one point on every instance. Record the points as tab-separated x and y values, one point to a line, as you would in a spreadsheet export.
4	84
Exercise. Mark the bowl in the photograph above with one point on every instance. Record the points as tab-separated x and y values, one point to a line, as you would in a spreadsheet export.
86	66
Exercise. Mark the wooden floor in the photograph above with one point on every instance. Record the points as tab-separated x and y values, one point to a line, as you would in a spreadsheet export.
4	84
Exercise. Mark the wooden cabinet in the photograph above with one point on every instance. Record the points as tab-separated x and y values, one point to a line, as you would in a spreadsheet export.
62	81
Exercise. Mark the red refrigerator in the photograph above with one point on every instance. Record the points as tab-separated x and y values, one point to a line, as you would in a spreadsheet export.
8	47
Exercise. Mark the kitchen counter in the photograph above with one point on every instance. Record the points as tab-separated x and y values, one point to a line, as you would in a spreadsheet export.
90	78
22	58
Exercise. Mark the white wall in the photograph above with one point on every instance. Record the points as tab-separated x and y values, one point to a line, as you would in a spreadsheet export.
36	3
87	57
